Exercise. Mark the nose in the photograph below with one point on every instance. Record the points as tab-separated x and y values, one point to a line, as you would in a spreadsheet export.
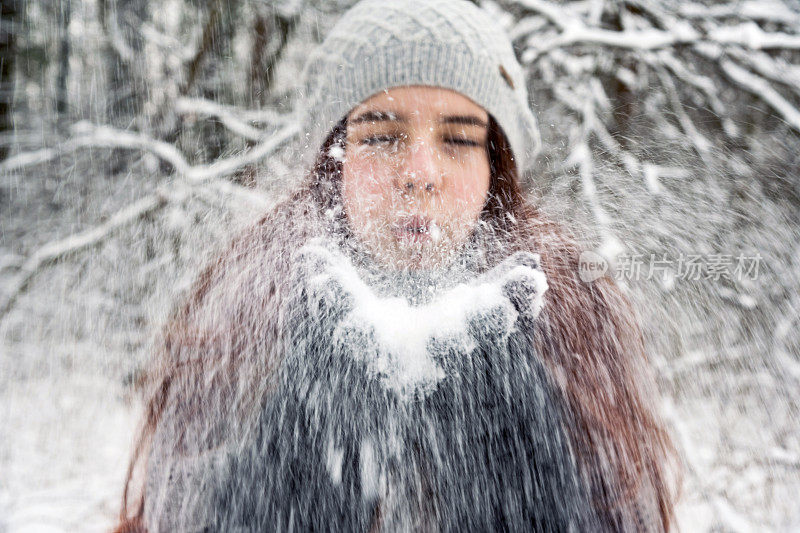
422	169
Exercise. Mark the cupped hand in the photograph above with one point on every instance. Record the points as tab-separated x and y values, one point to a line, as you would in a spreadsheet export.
326	279
523	282
499	311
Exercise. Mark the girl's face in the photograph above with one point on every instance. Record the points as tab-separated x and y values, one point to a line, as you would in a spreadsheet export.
416	173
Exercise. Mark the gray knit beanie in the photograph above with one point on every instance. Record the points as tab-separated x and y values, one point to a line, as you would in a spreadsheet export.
453	44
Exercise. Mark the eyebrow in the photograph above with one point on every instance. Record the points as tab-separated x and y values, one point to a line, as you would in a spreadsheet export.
376	116
468	120
384	116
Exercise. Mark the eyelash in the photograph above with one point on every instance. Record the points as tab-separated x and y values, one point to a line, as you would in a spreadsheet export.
464	142
375	139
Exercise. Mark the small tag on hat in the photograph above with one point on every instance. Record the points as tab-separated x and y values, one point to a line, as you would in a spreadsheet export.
506	76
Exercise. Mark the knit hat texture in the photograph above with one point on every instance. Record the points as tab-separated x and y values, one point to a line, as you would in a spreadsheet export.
452	44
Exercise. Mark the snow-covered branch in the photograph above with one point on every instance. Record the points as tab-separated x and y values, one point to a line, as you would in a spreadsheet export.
762	89
648	171
764	10
750	35
223	167
53	251
650	39
235	120
702	83
653	39
581	157
662	32
701	144
93	136
173	193
776	70
90	136
574	30
186	106
557	14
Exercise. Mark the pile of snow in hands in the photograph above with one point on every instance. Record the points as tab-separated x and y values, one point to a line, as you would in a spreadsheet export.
402	332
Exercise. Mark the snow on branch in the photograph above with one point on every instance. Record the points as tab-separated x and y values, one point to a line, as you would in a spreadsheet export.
662	31
575	31
581	157
650	39
701	144
235	120
93	136
750	35
556	14
53	251
762	89
766	10
223	167
173	193
195	178
673	44
648	171
185	106
654	39
703	84
775	70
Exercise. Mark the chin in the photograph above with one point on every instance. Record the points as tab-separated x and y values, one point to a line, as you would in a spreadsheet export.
398	252
421	257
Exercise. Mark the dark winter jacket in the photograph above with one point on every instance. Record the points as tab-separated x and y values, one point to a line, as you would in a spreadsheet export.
480	446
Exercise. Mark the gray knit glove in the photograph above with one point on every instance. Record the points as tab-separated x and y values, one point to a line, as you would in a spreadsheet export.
325	279
523	282
506	299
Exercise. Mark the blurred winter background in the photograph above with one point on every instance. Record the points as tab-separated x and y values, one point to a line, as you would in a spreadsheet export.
137	135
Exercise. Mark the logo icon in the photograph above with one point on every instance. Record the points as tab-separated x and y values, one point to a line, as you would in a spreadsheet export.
591	266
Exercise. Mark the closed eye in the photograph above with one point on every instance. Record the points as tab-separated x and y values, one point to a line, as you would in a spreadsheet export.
462	142
380	139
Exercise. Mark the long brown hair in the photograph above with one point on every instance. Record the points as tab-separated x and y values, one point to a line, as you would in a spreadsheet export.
589	338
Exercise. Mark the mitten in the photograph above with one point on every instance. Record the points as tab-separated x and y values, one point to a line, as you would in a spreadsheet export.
523	282
324	278
504	301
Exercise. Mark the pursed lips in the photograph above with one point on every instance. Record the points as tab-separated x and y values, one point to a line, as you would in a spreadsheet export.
414	228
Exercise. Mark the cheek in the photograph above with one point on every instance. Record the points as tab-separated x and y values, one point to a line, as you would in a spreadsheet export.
469	191
363	187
